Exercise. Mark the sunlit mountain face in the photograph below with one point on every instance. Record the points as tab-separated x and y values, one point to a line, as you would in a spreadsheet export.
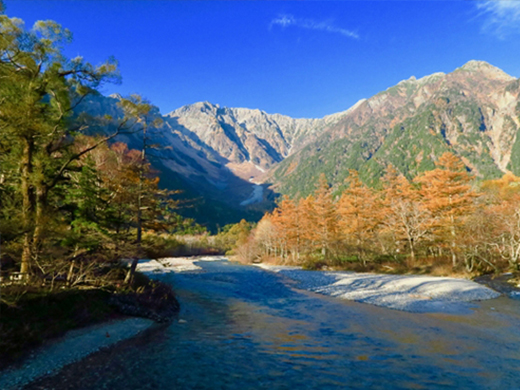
225	154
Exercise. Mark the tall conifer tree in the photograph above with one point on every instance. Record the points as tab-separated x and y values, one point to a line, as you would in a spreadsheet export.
449	198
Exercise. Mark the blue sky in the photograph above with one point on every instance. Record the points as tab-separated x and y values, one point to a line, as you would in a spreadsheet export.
301	58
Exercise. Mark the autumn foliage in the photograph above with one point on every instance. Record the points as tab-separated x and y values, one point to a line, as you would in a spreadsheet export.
440	216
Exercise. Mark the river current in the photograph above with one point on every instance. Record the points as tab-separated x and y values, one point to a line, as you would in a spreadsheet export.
241	327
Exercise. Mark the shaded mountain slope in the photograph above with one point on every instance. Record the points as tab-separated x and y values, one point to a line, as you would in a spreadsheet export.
214	154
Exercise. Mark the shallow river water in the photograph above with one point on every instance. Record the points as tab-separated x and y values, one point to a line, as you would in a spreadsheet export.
241	327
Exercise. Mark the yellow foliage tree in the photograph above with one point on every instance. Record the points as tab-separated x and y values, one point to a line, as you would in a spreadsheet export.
288	222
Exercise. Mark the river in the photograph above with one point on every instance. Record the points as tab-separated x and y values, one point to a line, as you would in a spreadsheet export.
241	327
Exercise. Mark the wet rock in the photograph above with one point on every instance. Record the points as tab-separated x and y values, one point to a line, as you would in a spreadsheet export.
502	283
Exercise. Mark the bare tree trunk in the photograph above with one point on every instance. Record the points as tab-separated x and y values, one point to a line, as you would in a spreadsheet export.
453	245
139	213
71	272
27	206
39	225
26	255
412	250
453	235
140	191
131	272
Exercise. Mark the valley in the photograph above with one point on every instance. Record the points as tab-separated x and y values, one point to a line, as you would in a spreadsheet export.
214	152
236	195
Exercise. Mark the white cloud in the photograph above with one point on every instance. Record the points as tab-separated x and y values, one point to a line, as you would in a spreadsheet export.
309	24
502	16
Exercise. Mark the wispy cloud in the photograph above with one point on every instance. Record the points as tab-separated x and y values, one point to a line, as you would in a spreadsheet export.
502	16
310	24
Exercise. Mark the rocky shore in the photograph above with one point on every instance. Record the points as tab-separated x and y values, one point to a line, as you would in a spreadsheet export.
159	304
413	293
74	346
45	332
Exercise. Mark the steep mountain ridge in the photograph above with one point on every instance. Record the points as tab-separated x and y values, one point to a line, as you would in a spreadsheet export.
243	135
218	153
472	112
215	154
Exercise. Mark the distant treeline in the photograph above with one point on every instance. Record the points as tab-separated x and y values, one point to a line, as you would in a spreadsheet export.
441	216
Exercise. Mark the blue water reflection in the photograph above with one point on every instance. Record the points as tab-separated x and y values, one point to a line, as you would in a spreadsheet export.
245	328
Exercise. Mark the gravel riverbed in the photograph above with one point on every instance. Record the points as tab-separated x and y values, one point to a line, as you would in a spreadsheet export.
74	346
401	292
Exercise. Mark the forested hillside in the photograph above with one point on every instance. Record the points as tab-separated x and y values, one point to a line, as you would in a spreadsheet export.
473	112
81	172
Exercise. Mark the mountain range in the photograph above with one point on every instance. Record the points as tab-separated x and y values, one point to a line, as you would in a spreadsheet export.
235	161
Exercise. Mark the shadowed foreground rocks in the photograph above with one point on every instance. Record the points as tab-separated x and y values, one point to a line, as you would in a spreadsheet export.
157	302
38	316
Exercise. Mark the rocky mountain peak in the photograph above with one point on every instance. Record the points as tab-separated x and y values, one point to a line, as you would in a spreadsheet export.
431	78
473	112
116	96
200	107
486	69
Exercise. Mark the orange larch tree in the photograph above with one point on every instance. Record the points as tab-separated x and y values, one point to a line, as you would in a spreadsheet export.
326	218
360	214
505	211
309	233
265	235
405	215
291	227
449	197
280	242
